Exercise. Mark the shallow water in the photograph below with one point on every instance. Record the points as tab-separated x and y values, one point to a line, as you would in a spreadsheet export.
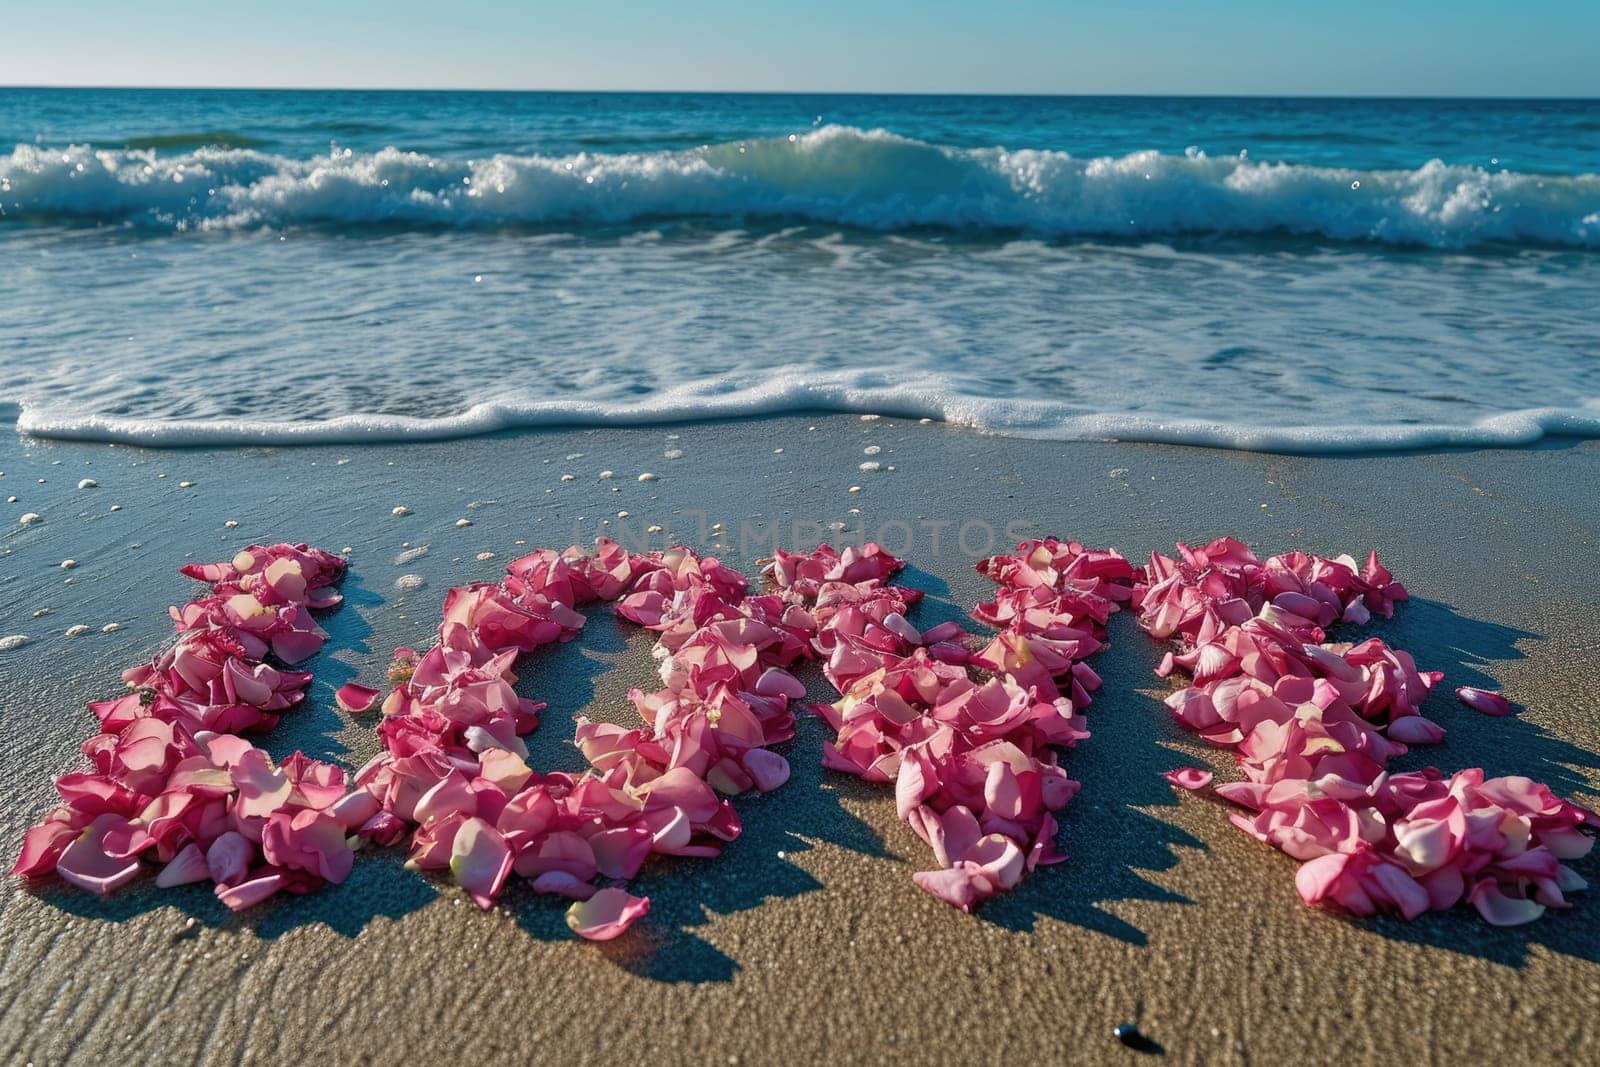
187	267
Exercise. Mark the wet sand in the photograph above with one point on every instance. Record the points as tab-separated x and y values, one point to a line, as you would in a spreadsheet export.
806	940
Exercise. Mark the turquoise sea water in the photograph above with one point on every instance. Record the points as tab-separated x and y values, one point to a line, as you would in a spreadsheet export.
191	266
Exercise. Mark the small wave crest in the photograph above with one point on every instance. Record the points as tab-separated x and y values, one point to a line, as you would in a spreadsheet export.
833	175
786	396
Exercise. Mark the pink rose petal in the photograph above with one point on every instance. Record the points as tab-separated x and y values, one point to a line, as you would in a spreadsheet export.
1500	910
249	894
769	769
958	887
563	884
480	861
42	847
356	698
607	914
1415	730
263	788
85	863
1188	777
229	857
189	865
1484	701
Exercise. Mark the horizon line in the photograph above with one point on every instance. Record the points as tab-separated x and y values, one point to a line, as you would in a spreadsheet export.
800	92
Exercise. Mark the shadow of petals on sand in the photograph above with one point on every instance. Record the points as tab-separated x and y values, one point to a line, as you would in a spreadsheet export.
313	727
1110	843
687	894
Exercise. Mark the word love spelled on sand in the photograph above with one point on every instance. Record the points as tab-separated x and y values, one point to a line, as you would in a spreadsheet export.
969	731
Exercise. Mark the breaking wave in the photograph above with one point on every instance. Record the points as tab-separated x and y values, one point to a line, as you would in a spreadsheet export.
833	175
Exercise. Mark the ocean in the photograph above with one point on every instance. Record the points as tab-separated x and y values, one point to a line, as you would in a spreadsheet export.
1305	275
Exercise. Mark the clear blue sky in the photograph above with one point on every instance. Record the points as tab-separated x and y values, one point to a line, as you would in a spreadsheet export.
1455	47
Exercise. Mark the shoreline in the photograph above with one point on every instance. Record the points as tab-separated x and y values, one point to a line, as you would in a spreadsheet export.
794	399
1163	914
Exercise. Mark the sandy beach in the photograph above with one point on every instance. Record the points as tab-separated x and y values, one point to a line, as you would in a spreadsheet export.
808	931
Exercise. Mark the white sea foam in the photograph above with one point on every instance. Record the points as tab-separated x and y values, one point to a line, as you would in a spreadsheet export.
1018	418
836	175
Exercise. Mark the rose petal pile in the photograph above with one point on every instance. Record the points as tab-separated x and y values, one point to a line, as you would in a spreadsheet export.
1313	727
453	773
970	740
173	781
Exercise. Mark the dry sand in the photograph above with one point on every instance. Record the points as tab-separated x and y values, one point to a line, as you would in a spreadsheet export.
807	939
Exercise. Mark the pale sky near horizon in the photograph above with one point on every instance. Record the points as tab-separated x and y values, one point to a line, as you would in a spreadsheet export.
1357	47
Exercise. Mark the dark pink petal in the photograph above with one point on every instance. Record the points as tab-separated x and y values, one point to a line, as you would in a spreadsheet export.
563	884
958	887
607	914
356	698
384	828
293	646
777	682
1188	777
945	631
769	769
1485	702
207	572
1415	730
42	846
